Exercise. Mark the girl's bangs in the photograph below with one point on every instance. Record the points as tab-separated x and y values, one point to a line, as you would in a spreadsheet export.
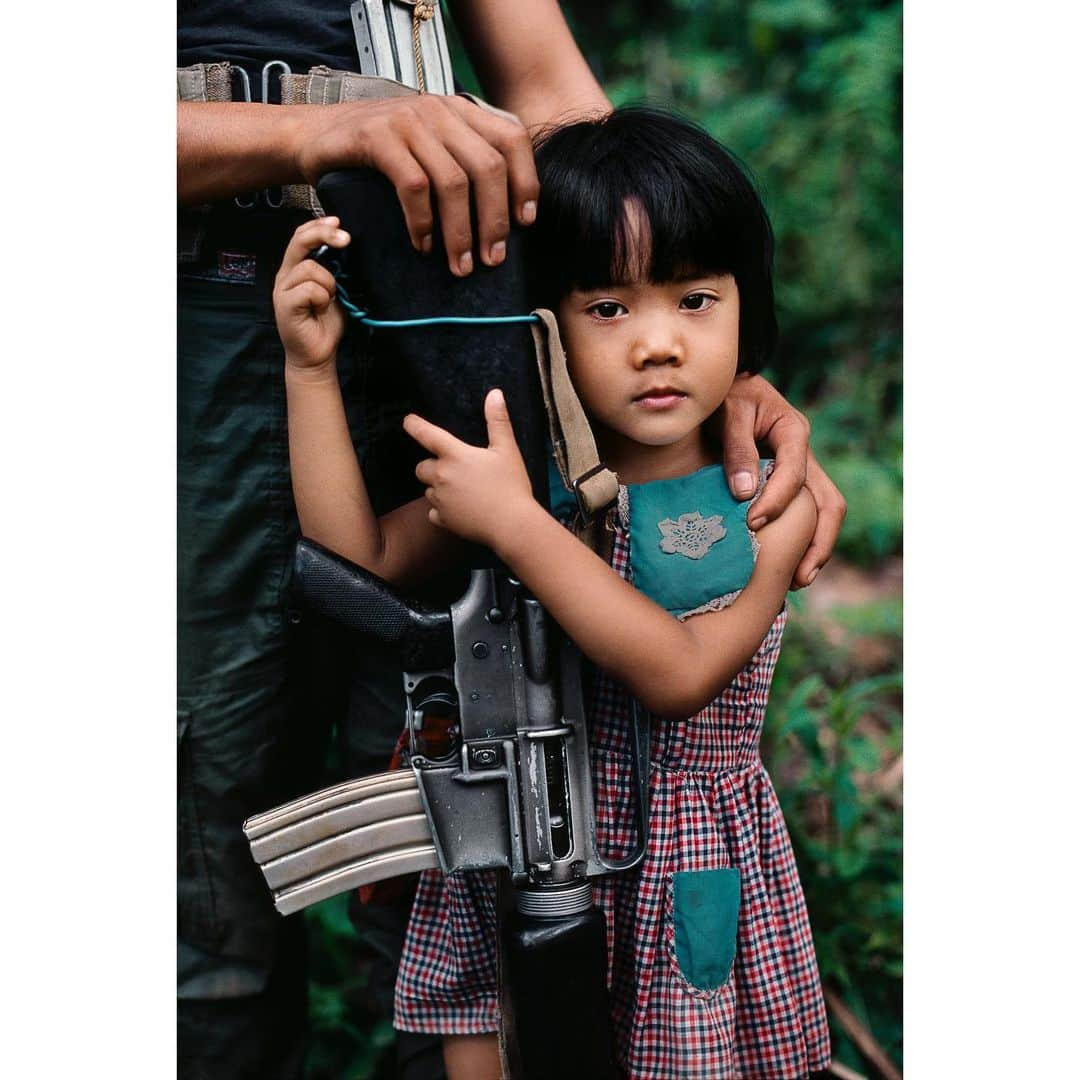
676	234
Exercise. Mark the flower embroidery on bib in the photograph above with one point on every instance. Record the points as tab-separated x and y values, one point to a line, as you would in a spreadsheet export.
691	535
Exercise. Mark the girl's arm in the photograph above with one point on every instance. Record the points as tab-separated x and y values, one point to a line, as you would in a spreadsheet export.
674	667
328	487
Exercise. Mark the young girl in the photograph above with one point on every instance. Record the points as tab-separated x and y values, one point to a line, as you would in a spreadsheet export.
655	253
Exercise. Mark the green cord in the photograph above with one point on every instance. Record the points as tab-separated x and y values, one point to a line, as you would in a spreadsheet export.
443	320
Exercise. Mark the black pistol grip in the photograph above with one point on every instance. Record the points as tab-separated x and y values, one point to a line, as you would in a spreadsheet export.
359	599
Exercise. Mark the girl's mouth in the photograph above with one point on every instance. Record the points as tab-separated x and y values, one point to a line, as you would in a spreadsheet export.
660	400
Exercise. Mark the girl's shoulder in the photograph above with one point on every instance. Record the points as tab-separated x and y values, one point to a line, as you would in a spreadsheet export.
690	547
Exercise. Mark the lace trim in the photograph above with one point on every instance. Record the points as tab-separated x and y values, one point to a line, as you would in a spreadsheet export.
623	506
718	603
755	544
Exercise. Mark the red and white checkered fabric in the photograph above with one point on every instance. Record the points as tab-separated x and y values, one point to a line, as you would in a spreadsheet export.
712	806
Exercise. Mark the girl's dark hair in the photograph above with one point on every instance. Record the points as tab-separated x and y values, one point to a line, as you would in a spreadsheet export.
704	215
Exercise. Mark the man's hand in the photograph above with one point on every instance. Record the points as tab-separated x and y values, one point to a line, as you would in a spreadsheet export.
473	490
755	412
436	150
433	149
308	320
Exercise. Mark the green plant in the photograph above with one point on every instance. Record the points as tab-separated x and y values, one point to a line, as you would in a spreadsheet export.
351	1034
832	741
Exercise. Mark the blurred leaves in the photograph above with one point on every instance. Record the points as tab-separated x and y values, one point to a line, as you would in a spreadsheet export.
832	746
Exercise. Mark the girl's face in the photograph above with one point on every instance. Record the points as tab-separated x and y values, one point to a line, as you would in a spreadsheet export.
651	361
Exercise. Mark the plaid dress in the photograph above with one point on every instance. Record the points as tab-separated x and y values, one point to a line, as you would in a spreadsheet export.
712	807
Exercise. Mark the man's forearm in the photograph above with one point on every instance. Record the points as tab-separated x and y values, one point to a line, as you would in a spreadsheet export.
225	148
527	60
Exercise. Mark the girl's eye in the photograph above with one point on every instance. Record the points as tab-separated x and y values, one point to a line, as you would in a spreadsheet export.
606	309
698	301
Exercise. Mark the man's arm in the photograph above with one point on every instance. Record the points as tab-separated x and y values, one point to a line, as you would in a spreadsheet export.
436	150
527	60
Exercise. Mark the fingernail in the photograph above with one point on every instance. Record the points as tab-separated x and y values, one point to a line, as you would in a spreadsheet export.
425	244
744	483
528	212
341	234
810	577
757	523
498	252
465	263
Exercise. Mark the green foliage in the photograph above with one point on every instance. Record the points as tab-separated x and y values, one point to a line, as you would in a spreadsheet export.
351	1034
806	92
830	738
856	431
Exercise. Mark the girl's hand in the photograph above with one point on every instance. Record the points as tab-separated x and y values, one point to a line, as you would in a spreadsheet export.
309	321
478	493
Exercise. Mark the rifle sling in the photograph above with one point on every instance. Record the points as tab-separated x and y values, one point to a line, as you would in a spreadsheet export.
576	456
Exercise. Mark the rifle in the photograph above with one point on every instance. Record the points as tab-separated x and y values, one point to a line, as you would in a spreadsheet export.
498	769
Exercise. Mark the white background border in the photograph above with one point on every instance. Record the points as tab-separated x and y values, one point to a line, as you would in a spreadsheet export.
88	452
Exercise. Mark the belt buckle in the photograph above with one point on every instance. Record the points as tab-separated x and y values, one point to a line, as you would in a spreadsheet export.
575	486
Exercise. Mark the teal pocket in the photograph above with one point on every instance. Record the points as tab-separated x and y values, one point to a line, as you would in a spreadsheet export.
705	909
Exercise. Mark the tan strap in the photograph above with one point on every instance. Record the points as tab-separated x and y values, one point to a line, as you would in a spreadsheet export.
204	82
595	485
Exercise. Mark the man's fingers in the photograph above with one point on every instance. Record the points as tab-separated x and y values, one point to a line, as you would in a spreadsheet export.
449	184
486	169
394	157
512	141
430	436
781	487
740	451
499	428
786	481
832	508
451	154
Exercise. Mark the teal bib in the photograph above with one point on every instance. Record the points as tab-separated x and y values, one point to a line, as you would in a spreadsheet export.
689	543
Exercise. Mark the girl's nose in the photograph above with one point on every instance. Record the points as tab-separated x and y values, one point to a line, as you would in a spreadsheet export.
656	347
